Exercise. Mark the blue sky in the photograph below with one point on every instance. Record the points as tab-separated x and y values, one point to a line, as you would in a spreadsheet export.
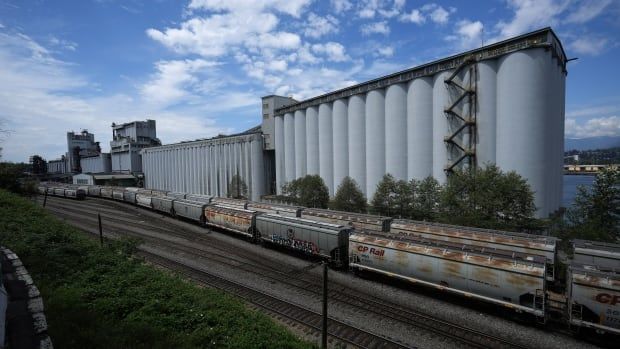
200	67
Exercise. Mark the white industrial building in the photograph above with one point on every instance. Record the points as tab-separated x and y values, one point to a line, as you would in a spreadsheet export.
500	104
99	163
128	140
207	166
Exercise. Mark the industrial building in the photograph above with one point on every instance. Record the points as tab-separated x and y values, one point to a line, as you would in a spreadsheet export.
80	145
98	163
208	166
499	104
127	141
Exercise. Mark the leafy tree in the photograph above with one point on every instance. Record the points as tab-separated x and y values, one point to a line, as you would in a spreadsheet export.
237	189
488	198
309	191
384	198
595	214
427	196
349	197
403	199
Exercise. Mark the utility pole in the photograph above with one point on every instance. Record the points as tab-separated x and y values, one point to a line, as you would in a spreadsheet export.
324	329
100	229
45	198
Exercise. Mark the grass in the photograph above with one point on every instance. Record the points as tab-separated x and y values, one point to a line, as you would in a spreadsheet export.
104	298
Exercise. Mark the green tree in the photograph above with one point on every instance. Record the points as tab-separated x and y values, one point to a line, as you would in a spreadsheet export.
309	191
237	189
349	197
403	199
384	198
427	196
489	198
595	215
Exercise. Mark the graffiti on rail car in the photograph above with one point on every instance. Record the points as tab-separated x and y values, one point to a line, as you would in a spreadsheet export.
291	242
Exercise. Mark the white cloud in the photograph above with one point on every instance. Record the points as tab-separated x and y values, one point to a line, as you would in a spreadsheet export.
174	80
596	127
587	11
588	46
437	13
593	111
341	5
291	7
387	51
467	34
415	16
334	51
63	44
385	9
41	98
529	15
375	28
318	26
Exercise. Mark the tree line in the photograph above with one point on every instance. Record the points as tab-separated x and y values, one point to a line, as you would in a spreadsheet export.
482	197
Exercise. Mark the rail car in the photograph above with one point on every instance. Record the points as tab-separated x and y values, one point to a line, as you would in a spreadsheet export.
321	239
192	210
508	279
489	239
510	270
283	210
358	221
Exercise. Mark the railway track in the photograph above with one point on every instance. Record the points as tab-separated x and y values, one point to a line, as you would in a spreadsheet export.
338	331
308	283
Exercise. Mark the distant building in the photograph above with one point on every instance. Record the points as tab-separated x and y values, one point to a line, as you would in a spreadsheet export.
57	166
123	180
80	145
127	141
100	163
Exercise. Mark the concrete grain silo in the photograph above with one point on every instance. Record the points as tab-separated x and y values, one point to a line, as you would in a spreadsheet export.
499	104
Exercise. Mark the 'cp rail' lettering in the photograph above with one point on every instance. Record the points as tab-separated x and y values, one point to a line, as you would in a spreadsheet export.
362	248
607	299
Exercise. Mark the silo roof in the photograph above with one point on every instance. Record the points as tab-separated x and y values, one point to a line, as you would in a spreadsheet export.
544	37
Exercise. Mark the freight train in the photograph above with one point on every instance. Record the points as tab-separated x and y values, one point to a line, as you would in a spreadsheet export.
507	269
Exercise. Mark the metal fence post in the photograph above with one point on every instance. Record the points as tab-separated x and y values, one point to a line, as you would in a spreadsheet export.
324	330
45	198
100	229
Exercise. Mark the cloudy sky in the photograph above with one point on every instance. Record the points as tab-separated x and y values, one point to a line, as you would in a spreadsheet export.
200	67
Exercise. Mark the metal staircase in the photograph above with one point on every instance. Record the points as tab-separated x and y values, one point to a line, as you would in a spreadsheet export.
461	115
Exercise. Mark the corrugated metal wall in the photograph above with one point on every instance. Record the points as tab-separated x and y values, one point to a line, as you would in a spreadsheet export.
207	166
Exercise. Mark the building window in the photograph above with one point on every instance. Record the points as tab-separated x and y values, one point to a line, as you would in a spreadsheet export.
265	116
265	105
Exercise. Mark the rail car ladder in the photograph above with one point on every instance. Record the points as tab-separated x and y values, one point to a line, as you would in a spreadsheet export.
461	115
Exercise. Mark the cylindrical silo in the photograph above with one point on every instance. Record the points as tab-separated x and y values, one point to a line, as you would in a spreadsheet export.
257	177
289	145
523	94
420	128
300	143
562	106
357	140
312	140
440	126
341	141
279	156
486	125
375	140
396	131
326	147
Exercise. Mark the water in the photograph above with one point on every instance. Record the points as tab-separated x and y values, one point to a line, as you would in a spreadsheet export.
570	187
